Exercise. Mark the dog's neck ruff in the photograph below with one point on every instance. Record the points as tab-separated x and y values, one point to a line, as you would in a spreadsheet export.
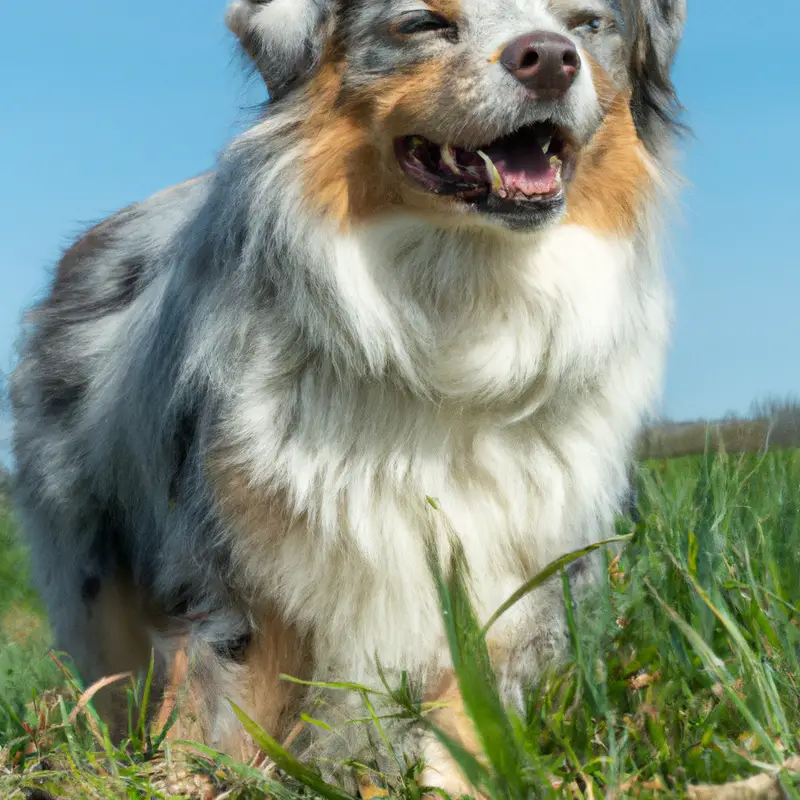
469	315
504	376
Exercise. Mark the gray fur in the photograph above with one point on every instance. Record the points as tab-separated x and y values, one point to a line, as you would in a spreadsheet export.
656	27
222	320
284	38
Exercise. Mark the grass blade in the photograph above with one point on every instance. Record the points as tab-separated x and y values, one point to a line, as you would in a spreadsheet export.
717	667
548	572
287	762
476	678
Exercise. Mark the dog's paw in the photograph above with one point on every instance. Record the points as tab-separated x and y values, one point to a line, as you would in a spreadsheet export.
442	772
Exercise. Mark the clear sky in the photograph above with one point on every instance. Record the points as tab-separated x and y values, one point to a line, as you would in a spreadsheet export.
104	103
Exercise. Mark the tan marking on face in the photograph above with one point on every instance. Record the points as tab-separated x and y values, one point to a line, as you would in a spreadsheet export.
199	681
350	172
612	180
336	151
255	686
603	85
449	9
277	649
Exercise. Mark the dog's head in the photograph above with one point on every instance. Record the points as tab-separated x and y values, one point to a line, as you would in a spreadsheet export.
511	112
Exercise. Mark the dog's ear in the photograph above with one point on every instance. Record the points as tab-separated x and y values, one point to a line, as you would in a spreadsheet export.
656	27
284	38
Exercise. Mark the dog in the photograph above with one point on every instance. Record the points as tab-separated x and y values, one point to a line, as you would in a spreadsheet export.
430	270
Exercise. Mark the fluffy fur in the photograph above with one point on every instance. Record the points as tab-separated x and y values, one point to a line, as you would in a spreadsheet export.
232	405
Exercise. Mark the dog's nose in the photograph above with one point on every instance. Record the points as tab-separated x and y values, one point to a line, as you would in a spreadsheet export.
546	63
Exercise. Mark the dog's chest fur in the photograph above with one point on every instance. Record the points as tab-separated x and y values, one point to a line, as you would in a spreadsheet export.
509	390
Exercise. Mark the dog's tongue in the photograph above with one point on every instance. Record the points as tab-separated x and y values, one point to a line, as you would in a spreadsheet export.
523	167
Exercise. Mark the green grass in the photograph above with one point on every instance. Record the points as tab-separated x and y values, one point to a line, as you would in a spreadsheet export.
24	665
683	668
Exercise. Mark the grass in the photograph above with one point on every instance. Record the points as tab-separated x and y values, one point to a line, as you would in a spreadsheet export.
24	668
683	670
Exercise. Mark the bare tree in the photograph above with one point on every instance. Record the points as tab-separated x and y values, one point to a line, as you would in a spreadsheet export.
773	423
776	408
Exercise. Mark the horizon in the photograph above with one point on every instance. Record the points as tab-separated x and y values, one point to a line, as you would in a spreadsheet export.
110	107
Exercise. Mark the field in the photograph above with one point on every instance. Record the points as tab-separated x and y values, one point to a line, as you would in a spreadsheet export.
683	671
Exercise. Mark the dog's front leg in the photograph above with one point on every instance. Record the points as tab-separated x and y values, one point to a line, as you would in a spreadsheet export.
450	717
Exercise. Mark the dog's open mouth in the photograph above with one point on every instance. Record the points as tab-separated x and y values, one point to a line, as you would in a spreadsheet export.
528	166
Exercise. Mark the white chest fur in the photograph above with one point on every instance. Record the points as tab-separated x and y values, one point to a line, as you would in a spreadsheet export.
505	381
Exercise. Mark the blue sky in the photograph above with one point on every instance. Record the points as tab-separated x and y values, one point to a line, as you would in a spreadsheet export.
106	102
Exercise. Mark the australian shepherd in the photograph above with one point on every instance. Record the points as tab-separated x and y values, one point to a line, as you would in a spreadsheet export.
430	270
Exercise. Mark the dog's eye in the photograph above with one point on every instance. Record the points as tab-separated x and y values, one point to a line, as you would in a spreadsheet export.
421	22
590	25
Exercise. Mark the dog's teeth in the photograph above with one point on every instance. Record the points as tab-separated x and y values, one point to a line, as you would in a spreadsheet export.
546	144
555	161
497	181
449	158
